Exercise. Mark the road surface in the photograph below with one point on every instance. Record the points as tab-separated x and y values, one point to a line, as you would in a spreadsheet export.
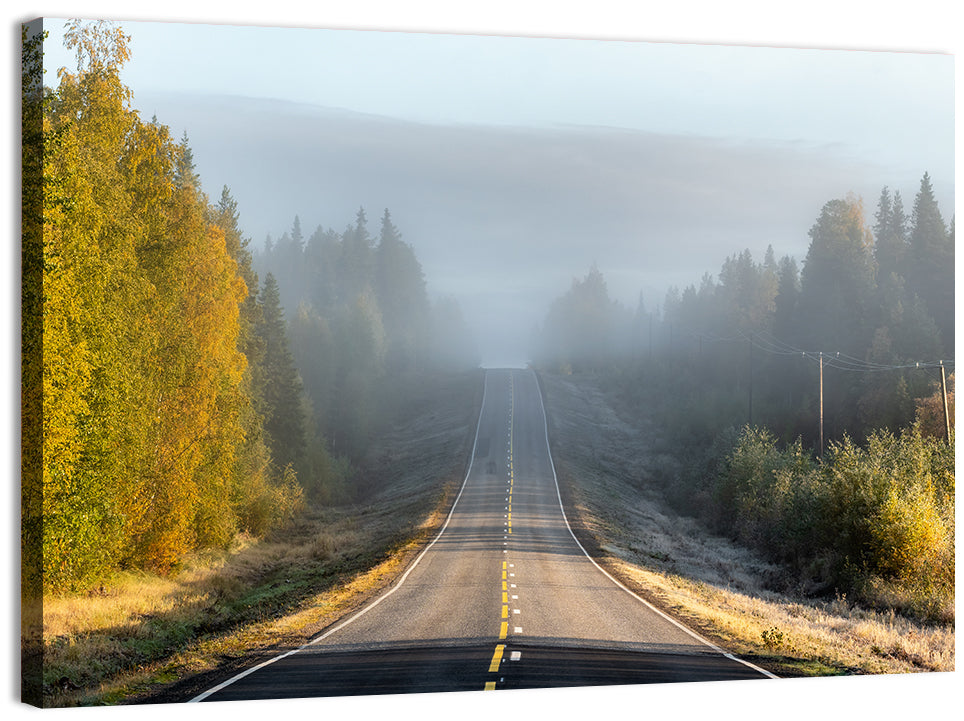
504	597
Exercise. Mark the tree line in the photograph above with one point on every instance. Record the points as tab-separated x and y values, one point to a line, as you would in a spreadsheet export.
743	346
743	372
162	408
360	330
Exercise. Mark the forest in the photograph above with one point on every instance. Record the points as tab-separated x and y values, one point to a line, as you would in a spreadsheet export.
177	388
360	329
180	387
808	408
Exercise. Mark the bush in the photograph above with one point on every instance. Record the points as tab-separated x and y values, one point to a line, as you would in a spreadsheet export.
268	505
874	521
755	490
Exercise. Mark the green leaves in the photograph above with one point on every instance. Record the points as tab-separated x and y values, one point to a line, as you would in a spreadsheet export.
876	520
149	446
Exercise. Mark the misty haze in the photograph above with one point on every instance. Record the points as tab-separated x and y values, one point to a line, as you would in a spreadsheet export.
662	334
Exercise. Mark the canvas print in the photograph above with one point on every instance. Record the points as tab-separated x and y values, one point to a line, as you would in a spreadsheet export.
360	363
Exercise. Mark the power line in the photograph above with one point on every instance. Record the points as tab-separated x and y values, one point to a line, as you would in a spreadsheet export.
838	360
834	359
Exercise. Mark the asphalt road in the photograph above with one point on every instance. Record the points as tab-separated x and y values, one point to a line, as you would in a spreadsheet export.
504	597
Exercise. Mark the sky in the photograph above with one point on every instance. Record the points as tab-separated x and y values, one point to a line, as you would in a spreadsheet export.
513	164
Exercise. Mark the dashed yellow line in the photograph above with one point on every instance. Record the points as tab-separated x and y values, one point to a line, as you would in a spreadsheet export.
496	659
504	626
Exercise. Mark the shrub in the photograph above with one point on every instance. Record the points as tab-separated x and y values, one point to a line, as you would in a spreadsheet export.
268	505
876	521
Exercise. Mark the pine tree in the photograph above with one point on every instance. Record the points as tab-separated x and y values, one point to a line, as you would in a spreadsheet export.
284	411
747	291
360	345
402	299
930	272
321	266
890	236
837	280
355	265
786	300
580	326
185	173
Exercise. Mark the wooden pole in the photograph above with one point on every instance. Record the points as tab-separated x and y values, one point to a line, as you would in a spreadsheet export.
947	417
750	401
821	406
651	336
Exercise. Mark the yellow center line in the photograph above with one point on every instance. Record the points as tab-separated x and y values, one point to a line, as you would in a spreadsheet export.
496	658
504	626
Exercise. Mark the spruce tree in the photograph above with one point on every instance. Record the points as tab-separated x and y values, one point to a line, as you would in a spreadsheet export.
890	236
355	263
284	410
400	291
786	300
930	273
837	280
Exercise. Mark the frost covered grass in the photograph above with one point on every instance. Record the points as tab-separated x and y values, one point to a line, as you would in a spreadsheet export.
729	593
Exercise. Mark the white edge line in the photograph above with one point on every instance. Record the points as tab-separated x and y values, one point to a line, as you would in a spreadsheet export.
614	580
389	592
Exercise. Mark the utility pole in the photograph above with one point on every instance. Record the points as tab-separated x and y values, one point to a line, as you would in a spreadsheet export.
651	336
750	401
947	417
821	405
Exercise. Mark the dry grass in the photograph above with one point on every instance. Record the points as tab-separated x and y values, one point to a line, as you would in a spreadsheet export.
137	636
717	587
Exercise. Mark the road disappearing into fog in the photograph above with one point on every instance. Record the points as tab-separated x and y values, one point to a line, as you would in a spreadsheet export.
504	597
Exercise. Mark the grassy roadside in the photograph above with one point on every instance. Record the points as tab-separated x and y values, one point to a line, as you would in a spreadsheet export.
725	592
146	639
140	638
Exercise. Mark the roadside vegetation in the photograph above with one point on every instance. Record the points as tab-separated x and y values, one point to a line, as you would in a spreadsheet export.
802	413
188	400
877	520
147	637
612	469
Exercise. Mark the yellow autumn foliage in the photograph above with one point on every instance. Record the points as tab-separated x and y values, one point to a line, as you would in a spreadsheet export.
149	447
